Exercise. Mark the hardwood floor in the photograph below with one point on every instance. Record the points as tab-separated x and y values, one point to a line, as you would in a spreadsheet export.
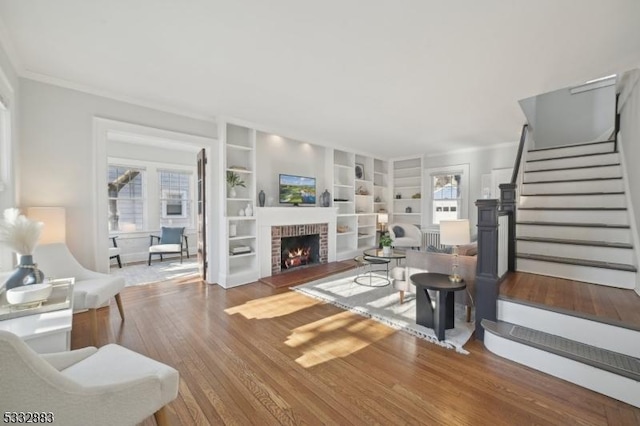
614	304
264	356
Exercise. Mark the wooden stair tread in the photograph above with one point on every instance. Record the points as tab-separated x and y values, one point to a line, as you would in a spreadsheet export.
576	242
574	224
572	146
571	194
578	262
603	359
572	180
569	156
574	208
572	168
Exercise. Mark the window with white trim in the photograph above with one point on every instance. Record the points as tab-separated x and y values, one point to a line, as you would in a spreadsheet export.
175	197
448	189
126	198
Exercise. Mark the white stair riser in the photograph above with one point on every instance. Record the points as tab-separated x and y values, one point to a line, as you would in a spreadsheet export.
601	335
603	254
611	217
601	200
613	185
561	163
610	235
602	148
602	381
587	173
588	274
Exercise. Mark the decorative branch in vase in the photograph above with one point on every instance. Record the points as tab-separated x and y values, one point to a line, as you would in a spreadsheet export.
21	235
233	180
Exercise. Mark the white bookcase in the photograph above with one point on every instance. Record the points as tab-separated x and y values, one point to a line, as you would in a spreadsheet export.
239	230
407	191
358	180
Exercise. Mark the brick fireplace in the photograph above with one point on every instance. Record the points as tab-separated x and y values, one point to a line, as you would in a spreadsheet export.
312	237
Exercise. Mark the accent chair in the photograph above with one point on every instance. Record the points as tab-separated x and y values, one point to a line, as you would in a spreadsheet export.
170	241
114	252
107	386
405	235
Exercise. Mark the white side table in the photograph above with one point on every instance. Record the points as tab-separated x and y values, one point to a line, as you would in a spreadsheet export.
46	328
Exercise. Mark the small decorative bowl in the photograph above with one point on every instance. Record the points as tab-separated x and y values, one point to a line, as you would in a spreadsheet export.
27	294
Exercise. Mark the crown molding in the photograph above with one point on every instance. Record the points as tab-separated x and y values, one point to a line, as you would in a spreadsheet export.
55	81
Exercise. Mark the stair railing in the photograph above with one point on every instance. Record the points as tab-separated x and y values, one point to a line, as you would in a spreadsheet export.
496	229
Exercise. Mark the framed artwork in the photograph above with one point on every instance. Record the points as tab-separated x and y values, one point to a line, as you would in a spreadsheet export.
359	171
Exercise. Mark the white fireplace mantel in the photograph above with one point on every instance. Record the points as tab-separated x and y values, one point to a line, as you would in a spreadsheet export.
266	217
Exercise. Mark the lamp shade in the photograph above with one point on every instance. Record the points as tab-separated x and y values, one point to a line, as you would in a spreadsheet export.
383	218
54	219
454	232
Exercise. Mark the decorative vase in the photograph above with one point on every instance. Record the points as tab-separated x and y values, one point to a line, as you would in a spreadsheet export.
386	250
408	210
233	230
26	273
248	211
232	192
241	212
325	198
261	198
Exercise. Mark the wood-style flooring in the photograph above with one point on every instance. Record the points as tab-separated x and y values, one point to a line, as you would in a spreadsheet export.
612	304
255	355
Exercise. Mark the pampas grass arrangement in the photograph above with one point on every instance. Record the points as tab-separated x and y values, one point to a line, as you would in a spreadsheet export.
19	233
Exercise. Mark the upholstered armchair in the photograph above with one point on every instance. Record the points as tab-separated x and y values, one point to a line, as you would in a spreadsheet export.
170	241
114	252
91	290
405	235
107	386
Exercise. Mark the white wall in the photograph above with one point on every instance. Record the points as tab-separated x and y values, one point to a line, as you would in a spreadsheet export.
630	148
275	155
562	118
9	90
57	151
150	153
480	161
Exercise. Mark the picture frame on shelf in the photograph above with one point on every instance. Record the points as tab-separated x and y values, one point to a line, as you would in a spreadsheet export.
359	171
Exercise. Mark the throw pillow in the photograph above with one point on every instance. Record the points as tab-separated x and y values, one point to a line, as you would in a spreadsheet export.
171	235
468	249
434	249
398	231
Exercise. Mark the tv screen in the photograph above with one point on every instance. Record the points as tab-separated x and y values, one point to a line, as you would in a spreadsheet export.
297	190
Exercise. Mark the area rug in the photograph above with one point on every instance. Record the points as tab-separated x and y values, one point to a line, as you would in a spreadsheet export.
142	274
382	304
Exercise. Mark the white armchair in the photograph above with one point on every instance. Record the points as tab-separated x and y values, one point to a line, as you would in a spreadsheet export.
107	386
91	290
405	235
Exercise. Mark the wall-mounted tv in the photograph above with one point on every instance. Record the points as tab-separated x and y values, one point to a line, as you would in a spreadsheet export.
297	190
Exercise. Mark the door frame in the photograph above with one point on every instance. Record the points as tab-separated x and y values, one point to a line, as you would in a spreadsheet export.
103	129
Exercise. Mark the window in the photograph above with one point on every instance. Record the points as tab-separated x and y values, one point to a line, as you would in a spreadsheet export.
445	196
126	198
175	197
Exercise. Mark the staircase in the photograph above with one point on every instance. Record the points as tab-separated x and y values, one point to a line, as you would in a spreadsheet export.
573	223
572	219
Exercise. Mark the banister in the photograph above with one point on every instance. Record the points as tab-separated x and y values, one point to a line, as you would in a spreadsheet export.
516	166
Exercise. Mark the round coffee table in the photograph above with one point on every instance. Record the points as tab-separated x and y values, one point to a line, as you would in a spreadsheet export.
379	253
367	278
442	317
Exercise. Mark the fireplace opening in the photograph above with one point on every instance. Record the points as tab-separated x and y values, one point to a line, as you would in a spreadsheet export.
299	251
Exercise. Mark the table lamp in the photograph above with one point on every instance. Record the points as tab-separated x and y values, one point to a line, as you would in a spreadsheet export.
383	219
454	233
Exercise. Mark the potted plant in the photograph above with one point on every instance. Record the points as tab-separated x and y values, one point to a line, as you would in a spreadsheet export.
385	242
233	180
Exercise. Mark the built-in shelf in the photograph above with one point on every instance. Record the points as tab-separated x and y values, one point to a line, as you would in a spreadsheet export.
242	237
239	147
408	181
240	170
237	256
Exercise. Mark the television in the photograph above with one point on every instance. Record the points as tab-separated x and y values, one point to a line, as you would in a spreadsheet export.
297	190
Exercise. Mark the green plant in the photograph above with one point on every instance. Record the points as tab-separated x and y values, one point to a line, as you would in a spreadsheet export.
233	179
385	240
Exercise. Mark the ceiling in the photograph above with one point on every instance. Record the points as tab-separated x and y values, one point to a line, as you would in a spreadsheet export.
391	78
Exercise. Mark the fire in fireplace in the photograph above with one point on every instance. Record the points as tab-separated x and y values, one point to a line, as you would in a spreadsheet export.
299	251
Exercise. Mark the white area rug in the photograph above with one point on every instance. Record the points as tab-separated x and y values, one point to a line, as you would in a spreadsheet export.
143	274
383	304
